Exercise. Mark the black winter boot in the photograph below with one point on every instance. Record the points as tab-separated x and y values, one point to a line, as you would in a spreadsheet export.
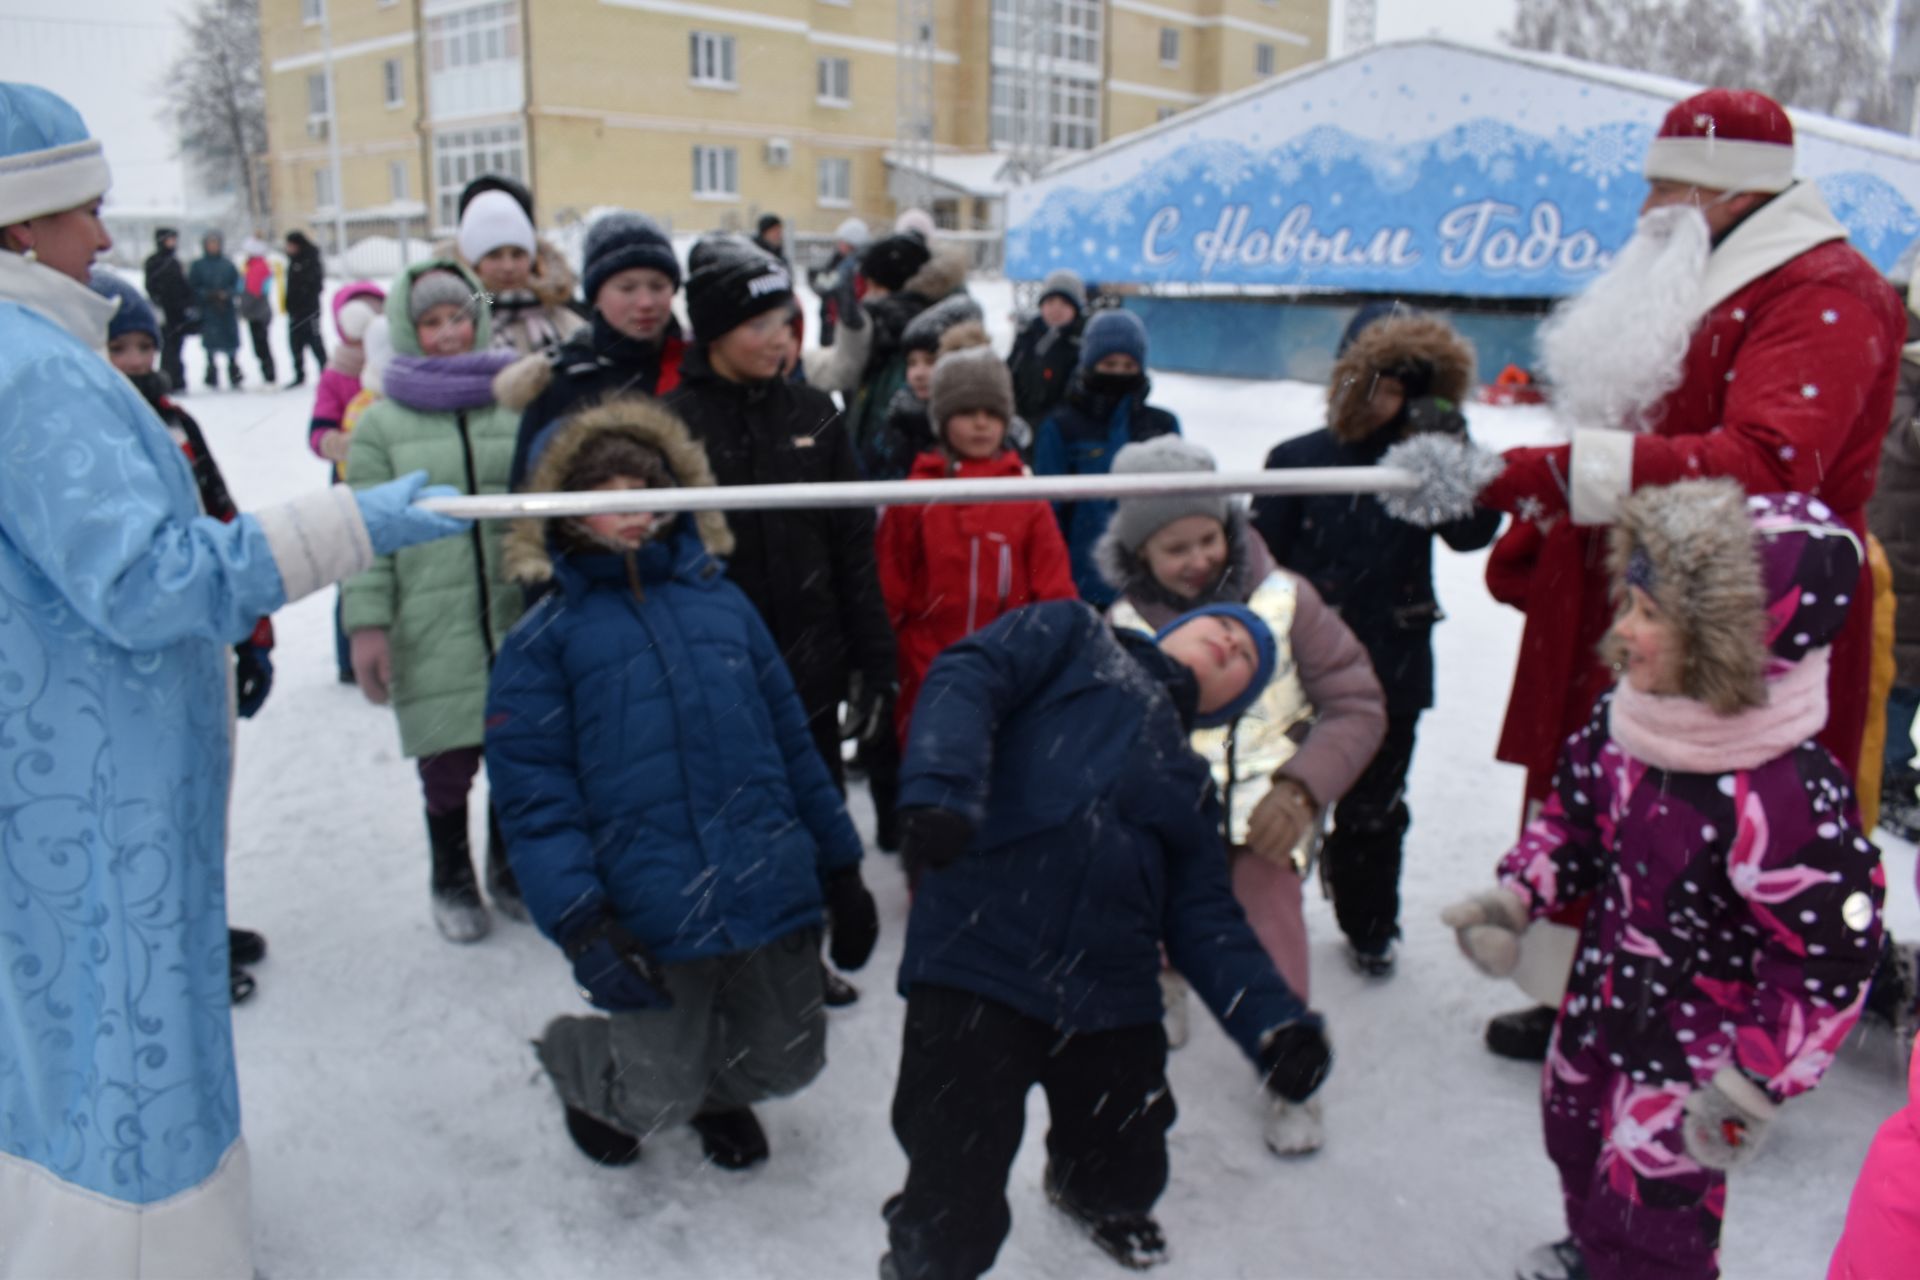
601	1142
233	374
1133	1240
502	888
835	991
732	1139
458	912
244	946
1524	1034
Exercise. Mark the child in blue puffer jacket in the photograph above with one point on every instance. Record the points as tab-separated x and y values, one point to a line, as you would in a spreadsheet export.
670	822
1062	832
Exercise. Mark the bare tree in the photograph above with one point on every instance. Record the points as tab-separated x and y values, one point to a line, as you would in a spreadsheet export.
1823	55
215	91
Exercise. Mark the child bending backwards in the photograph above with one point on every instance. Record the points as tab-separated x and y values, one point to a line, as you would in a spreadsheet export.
1736	905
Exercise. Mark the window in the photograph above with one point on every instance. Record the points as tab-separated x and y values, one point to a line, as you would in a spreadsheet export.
712	59
316	93
396	87
1069	118
397	179
461	155
1070	30
833	82
1169	47
1263	60
323	188
312	12
836	182
716	172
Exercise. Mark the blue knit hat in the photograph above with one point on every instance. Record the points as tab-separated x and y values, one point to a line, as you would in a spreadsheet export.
1113	333
1263	646
619	242
135	314
48	164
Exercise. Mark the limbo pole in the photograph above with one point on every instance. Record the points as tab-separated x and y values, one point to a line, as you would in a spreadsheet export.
900	493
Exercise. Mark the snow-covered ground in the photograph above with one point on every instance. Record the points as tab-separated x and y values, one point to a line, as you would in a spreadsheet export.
399	1125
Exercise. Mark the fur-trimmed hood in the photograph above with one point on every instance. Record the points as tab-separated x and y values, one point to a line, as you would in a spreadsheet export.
1386	347
1248	564
529	554
552	280
944	275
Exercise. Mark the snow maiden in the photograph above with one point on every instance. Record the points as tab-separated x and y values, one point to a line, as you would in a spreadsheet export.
1736	905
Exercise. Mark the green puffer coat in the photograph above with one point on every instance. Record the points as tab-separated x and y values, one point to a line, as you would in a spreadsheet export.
445	614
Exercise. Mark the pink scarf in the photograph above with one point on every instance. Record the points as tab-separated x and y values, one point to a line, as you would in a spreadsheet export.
1681	735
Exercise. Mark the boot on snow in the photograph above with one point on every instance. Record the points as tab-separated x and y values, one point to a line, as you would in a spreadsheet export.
1372	962
244	946
836	991
458	912
502	889
732	1139
1900	804
601	1142
1524	1034
1294	1128
1133	1240
1560	1260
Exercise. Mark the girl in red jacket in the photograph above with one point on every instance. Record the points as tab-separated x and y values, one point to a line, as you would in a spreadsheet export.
947	571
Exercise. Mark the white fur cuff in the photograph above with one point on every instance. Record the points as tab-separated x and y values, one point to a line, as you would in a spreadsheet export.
317	540
1602	467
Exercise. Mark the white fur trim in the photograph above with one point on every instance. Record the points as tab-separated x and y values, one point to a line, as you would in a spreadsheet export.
78	310
49	1227
37	183
1721	164
1778	232
1744	1093
1602	467
317	540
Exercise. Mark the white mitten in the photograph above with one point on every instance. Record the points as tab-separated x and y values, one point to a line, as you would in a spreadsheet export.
1489	926
1727	1119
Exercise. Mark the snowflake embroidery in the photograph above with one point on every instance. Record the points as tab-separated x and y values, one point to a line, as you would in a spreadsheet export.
1809	391
1114	211
1530	509
1501	170
1830	316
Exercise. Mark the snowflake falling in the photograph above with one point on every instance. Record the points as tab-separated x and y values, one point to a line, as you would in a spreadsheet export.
1830	316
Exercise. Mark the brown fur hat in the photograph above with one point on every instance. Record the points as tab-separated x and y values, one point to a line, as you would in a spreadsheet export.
655	434
1699	543
968	333
1396	346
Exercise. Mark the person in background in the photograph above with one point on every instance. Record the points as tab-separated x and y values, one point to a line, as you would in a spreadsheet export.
904	278
167	287
357	307
770	233
908	432
849	238
1047	350
216	283
305	283
1104	410
256	304
528	286
1398	373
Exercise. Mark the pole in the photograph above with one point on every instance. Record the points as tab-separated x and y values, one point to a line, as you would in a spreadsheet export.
333	131
887	493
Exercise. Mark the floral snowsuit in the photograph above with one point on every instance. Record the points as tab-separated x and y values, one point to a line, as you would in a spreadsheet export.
1735	920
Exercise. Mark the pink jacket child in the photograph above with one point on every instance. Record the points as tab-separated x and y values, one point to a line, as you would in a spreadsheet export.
1736	905
354	308
1882	1236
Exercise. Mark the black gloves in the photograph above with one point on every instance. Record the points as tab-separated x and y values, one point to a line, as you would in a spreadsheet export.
1295	1058
1435	414
254	673
869	709
932	838
853	920
614	969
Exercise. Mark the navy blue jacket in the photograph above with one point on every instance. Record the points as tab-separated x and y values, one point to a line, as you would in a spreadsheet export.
646	747
1097	835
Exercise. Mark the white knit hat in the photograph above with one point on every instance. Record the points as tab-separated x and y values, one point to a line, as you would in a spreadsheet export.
493	220
48	164
853	231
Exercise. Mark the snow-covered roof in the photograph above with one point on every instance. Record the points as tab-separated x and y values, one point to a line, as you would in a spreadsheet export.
974	173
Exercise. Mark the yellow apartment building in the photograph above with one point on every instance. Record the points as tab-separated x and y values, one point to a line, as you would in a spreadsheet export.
709	114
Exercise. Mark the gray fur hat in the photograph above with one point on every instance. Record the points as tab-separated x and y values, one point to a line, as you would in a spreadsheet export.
969	379
1137	519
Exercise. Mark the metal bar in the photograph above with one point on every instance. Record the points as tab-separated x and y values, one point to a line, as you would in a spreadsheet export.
900	493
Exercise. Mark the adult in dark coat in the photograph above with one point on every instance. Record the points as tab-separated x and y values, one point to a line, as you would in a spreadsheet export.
168	290
811	574
1398	372
216	287
306	281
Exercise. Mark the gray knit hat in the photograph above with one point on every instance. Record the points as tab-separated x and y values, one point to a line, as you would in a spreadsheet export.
1137	519
1065	284
432	289
963	381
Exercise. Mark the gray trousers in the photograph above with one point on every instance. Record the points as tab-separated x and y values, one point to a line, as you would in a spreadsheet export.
742	1028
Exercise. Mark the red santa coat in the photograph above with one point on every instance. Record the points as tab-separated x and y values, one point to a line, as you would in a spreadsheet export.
1788	386
947	571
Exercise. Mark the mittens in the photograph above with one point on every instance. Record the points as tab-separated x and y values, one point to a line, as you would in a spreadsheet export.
1534	485
613	968
1296	1058
1726	1119
932	838
852	919
1488	926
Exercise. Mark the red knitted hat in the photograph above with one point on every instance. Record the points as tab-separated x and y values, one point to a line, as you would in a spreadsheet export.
1724	140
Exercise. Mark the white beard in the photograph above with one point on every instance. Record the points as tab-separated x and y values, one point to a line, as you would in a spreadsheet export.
1615	351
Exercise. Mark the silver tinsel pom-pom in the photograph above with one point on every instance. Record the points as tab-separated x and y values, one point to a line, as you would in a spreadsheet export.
1452	472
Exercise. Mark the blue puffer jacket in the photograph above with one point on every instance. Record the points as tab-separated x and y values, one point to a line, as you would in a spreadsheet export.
646	747
1097	835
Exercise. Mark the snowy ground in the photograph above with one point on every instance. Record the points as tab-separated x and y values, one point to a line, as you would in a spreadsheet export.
400	1127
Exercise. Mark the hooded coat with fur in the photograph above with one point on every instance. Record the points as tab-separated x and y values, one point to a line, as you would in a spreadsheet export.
944	276
643	735
540	317
1375	570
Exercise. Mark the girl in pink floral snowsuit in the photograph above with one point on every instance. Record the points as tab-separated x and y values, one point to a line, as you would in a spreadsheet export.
1735	919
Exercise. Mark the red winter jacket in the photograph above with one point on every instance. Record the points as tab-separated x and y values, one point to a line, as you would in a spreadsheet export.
947	571
1788	385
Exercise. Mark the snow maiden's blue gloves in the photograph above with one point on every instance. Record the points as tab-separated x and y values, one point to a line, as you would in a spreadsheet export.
394	522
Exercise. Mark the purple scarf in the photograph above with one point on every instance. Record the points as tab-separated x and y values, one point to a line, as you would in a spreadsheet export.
445	384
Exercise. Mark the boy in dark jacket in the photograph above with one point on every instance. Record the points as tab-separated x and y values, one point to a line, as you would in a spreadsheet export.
1049	882
306	282
908	432
1048	349
167	287
671	824
1104	410
1399	372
